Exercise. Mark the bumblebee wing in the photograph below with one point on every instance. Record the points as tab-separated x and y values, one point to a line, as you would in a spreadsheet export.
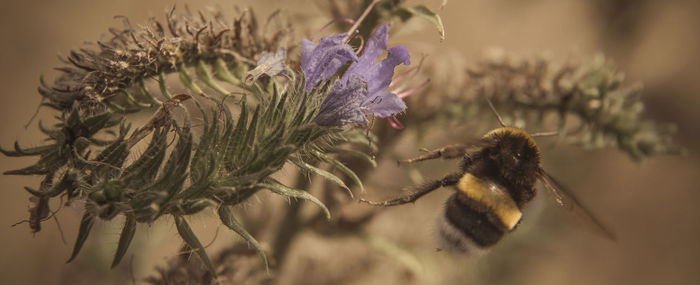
568	201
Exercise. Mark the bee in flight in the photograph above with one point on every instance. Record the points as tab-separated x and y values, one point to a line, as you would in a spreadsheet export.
495	182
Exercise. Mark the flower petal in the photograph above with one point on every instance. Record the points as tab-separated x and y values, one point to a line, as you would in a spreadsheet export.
320	62
343	103
379	75
379	101
274	62
383	103
374	47
271	64
364	88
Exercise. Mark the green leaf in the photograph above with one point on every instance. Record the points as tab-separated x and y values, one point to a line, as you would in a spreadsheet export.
281	189
34	192
361	137
222	72
356	153
144	91
144	170
132	101
226	143
73	118
205	76
340	166
183	228
230	221
119	108
325	174
46	163
66	181
280	111
206	147
125	239
186	80
53	133
267	115
174	173
239	132
26	152
85	226
249	142
425	13
301	113
163	87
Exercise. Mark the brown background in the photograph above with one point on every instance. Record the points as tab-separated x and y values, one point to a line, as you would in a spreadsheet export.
653	206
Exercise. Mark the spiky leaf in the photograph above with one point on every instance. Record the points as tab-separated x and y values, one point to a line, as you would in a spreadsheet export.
183	228
325	174
125	239
230	221
425	13
86	224
281	189
340	166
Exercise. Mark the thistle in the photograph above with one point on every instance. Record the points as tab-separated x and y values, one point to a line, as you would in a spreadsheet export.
257	114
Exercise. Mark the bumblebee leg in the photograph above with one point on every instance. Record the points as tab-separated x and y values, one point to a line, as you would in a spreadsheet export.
421	190
448	152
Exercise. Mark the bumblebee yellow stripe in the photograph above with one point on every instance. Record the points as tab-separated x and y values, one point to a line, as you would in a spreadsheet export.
492	196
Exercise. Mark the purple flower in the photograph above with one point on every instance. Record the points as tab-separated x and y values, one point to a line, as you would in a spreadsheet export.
348	102
378	75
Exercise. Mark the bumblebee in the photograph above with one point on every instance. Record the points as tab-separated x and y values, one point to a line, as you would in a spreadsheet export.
495	182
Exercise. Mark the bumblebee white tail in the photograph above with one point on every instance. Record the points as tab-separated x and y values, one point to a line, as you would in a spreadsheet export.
452	240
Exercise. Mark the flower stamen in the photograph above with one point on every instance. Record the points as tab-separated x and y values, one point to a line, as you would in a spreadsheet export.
395	123
413	90
407	75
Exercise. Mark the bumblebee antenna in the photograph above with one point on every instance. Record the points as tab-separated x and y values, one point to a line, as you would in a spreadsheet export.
500	120
545	134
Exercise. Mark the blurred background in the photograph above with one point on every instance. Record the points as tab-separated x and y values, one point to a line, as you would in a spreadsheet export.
652	205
